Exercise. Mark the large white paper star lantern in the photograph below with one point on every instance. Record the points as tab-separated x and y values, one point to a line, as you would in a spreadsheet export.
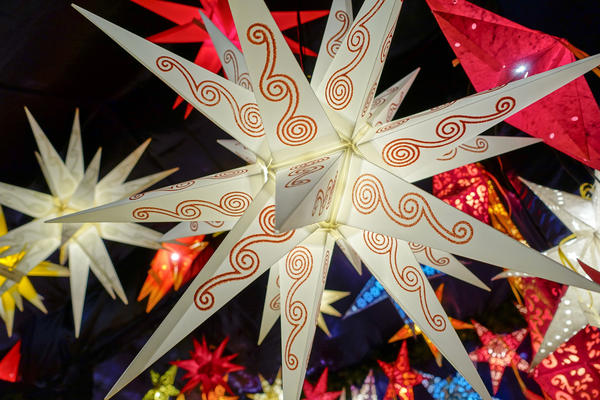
324	170
71	189
577	307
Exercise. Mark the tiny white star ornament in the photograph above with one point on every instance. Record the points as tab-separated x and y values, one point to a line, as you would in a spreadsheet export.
73	188
577	307
329	167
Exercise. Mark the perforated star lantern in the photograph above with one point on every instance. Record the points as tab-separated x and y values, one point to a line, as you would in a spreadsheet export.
500	351
72	188
207	369
22	287
577	307
319	390
451	388
329	168
191	29
409	330
401	377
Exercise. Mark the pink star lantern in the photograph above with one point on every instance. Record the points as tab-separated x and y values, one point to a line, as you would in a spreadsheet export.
500	351
319	390
206	368
190	29
402	377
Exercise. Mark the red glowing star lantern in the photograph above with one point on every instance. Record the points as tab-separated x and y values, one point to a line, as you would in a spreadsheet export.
402	377
9	365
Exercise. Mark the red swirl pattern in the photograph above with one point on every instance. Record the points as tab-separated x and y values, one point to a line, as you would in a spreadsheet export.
274	304
232	204
481	146
405	151
298	267
243	260
438	262
229	57
368	194
324	197
228	174
340	88
387	44
334	43
210	93
409	277
292	129
172	188
368	103
399	122
215	224
301	170
194	226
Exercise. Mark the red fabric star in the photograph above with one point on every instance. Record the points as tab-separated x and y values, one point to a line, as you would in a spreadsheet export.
206	368
402	377
319	391
190	28
500	351
9	365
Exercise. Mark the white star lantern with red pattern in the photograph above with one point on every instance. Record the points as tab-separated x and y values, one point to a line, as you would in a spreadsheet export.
329	167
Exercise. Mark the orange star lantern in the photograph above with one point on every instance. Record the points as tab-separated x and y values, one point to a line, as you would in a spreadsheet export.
319	390
407	331
402	377
500	351
173	266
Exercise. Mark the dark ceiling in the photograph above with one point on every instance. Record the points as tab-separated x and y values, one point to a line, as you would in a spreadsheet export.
52	60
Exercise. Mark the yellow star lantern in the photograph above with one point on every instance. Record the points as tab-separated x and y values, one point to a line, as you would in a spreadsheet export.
269	391
15	285
163	385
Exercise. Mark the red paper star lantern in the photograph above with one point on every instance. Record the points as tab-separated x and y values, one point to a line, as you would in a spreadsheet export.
207	369
402	377
190	28
173	266
9	365
500	351
319	391
572	372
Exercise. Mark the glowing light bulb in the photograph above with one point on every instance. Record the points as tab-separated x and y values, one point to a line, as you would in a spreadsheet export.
520	68
175	257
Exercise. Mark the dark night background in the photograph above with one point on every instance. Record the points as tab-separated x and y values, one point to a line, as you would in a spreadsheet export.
52	60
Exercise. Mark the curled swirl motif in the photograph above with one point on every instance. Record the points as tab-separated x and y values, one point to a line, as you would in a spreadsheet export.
368	103
228	174
340	88
409	277
334	43
397	123
298	267
386	44
215	224
210	93
438	262
405	151
172	188
292	129
324	197
481	146
392	111
275	301
301	170
243	80
232	204
244	260
368	194
194	226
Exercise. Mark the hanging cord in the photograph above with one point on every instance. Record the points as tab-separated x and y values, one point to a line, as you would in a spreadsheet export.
299	34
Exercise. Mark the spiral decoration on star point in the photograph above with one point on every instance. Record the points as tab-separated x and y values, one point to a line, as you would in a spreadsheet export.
292	129
243	260
334	43
368	194
298	267
210	94
409	278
